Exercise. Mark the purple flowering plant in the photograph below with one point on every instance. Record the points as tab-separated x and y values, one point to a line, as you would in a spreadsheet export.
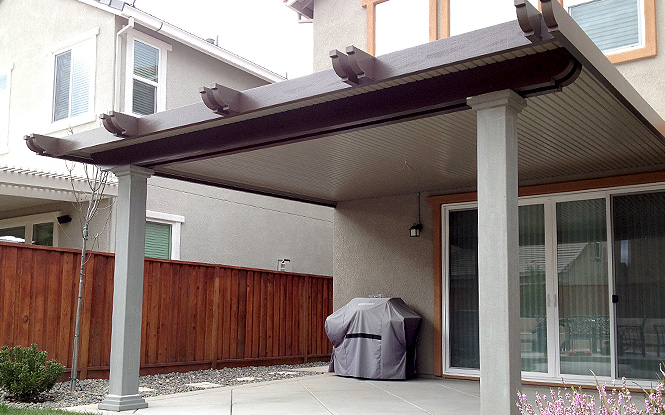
618	401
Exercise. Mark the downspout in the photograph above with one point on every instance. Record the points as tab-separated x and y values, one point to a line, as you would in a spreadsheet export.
118	66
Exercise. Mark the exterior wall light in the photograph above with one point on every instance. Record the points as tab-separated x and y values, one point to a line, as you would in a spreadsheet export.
414	231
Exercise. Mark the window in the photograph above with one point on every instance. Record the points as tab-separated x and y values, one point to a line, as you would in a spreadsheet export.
464	15
73	73
397	24
401	24
35	229
145	88
162	235
5	82
623	29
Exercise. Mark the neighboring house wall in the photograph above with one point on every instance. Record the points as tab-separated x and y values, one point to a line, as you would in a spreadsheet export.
246	230
187	70
374	254
28	45
252	231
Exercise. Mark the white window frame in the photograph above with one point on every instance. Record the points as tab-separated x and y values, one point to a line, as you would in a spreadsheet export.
88	40
29	221
549	201
175	221
641	25
4	106
163	48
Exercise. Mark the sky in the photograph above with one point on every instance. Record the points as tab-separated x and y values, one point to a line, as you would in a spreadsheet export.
265	32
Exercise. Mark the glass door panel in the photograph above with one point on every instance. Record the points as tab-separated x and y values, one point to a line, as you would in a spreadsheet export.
533	289
463	289
584	322
639	267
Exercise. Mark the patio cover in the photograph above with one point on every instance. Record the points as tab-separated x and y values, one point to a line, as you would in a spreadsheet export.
346	133
323	140
374	338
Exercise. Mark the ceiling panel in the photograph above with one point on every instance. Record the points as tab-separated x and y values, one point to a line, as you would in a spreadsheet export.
581	132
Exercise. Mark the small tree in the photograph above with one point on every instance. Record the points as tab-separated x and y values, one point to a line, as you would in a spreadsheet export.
91	195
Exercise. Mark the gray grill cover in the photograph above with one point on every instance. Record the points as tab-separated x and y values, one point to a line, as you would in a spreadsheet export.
374	338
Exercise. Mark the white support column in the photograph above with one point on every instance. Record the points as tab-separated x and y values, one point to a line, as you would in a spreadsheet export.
127	290
498	243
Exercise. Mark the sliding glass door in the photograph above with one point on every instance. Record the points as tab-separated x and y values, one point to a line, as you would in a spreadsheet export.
592	278
582	275
639	269
533	288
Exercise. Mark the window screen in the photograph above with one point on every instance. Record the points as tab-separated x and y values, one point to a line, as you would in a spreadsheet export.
611	24
158	240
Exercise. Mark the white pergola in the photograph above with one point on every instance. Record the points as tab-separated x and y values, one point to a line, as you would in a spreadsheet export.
527	102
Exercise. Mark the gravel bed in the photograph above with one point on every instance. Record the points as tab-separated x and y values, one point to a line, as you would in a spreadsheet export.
92	391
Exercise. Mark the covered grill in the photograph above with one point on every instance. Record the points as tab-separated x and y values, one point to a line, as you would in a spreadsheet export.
374	338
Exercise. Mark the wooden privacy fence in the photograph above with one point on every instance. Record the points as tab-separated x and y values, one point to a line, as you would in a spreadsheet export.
195	316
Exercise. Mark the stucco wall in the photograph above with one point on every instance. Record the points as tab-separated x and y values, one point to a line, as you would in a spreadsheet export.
27	46
646	75
188	69
374	254
337	24
243	229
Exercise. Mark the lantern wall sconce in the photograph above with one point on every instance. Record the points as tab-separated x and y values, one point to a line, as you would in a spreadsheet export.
414	231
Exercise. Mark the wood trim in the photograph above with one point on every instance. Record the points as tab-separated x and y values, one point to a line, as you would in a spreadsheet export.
438	290
460	377
444	19
433	27
650	48
371	29
564	187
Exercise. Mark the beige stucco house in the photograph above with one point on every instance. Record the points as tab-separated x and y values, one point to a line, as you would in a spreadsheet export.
87	57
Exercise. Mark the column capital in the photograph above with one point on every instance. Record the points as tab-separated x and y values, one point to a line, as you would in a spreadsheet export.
503	98
130	169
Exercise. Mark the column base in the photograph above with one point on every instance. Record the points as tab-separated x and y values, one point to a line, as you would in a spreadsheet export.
122	403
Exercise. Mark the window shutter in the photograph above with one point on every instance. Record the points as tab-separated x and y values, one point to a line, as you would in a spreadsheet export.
158	240
611	24
61	87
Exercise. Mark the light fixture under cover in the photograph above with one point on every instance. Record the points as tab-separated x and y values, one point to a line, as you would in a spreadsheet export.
414	231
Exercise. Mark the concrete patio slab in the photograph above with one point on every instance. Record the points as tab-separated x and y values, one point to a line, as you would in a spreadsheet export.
326	394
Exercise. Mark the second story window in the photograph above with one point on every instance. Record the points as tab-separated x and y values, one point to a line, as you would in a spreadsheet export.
145	89
73	81
613	25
